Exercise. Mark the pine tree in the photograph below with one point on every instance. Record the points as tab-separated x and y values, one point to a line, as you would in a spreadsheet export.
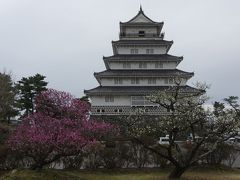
28	88
7	97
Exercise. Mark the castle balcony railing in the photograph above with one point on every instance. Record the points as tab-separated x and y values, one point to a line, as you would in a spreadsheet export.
128	110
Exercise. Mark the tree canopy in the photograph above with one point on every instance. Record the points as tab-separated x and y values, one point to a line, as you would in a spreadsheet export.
58	128
28	88
7	97
193	131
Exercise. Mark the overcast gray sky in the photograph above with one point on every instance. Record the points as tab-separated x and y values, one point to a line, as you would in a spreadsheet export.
66	39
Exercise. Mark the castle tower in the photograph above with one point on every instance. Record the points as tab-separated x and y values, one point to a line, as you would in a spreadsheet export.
140	65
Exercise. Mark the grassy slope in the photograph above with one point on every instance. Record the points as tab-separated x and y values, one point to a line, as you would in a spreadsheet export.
143	174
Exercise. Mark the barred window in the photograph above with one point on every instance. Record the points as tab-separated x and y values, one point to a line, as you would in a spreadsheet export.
135	81
134	51
149	51
126	65
118	81
109	98
152	81
158	65
166	81
142	65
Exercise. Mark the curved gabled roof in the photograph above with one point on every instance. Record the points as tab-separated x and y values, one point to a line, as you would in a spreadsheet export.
141	18
143	57
143	42
136	90
144	73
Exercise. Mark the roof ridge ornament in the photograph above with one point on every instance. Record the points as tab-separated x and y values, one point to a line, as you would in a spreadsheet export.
141	8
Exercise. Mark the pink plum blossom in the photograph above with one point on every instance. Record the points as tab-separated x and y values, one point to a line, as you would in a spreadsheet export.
58	128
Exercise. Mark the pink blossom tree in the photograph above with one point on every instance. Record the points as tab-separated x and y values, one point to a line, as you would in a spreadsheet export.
57	129
59	104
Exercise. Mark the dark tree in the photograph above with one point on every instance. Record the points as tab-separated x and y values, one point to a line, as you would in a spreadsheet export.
84	98
7	98
28	88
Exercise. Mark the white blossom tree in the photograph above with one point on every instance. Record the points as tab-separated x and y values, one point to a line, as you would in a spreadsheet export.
194	132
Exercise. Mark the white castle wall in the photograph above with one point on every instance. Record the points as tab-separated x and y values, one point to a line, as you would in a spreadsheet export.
118	101
141	49
135	65
142	82
134	30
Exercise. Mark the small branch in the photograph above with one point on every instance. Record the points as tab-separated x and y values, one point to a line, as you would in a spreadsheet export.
171	159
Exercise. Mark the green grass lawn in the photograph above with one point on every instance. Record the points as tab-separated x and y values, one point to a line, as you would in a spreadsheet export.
130	174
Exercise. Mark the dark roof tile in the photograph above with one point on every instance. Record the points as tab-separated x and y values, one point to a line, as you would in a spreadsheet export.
143	73
138	42
135	90
142	57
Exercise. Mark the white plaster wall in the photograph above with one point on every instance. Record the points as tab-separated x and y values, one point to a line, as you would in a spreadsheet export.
134	30
118	101
142	82
135	65
141	49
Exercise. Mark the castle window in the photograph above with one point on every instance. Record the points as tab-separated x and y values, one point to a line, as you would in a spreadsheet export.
149	51
109	98
126	65
135	81
152	81
118	81
134	51
166	81
158	65
141	33
142	65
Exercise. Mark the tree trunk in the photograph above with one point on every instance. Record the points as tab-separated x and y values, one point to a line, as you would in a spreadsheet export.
8	120
176	173
37	166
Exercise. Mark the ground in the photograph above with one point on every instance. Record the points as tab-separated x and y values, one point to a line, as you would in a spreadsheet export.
133	174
